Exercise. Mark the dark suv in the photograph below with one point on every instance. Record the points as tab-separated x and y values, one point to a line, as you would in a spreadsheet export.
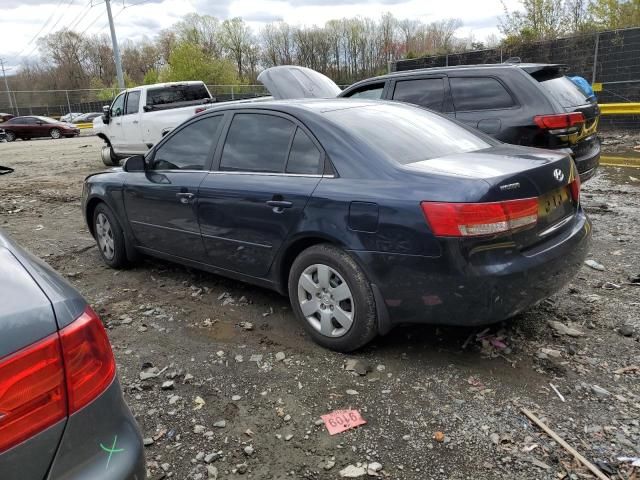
523	104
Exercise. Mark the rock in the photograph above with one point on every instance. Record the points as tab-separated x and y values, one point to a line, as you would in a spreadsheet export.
168	385
438	437
198	429
406	438
599	391
148	441
173	399
626	330
563	329
329	464
549	352
149	373
187	377
246	325
255	358
210	457
288	437
242	468
495	438
248	450
165	467
287	417
239	358
199	456
351	392
381	368
353	471
373	468
126	320
356	365
595	265
220	424
280	356
235	398
212	472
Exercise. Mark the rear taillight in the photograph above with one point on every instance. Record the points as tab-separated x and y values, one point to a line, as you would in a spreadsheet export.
32	391
32	381
474	219
574	187
88	359
559	121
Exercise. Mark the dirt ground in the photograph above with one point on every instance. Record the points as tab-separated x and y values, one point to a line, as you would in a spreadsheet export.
224	400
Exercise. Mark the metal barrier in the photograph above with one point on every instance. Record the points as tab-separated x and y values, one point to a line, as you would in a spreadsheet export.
620	108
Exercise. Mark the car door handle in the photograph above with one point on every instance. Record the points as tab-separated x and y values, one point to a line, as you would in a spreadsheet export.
279	205
185	197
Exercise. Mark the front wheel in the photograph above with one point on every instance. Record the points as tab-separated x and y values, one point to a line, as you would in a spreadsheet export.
332	297
10	136
108	157
55	133
109	237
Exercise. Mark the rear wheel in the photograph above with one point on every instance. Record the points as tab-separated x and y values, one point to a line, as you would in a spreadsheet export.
332	297
10	136
108	157
55	133
109	237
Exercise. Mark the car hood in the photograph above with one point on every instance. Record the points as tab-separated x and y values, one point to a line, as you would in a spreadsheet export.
290	82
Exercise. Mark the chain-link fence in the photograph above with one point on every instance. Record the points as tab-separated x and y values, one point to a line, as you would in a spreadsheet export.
609	60
56	103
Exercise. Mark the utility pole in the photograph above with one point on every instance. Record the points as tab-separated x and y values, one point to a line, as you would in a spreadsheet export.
116	50
6	84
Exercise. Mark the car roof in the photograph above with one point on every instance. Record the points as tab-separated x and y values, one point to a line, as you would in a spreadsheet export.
528	67
315	105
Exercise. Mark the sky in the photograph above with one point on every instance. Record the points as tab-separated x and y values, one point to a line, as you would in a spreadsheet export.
23	21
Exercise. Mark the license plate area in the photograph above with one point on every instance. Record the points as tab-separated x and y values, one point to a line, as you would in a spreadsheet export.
554	205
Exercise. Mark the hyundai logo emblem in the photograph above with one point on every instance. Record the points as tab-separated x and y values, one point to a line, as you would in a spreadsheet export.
559	176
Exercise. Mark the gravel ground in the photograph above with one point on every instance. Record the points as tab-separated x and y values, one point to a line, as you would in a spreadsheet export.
225	384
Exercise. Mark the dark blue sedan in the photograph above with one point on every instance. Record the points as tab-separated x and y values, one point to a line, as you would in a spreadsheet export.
367	214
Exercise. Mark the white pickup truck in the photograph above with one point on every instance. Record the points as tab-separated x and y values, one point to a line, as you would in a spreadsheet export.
138	117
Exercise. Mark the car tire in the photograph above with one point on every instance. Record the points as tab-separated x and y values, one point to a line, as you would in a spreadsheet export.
108	157
109	237
10	136
316	283
55	133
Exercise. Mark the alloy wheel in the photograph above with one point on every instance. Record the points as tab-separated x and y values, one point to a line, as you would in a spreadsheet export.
55	133
326	300
104	234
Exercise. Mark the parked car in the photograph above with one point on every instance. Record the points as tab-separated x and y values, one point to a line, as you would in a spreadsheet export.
61	405
87	117
5	116
27	128
528	104
137	117
70	117
366	213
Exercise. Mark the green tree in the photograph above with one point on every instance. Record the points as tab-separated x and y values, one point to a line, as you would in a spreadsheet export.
537	20
614	14
188	62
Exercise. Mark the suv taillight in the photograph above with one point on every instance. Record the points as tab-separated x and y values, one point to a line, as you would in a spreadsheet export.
559	121
475	219
33	394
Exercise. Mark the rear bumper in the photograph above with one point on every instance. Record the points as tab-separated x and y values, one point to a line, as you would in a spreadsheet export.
586	154
459	288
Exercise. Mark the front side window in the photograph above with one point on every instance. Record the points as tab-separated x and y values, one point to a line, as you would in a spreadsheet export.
479	93
133	100
304	157
189	148
373	92
257	143
426	92
117	107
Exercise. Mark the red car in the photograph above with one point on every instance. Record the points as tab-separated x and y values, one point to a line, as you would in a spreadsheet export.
32	127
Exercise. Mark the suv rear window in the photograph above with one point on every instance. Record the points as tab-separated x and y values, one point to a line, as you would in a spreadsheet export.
407	134
176	93
562	89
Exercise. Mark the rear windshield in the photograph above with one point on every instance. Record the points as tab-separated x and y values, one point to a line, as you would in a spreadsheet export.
176	93
562	89
407	134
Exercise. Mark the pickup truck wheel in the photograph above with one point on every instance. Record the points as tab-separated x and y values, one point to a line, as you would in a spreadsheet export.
10	136
55	133
108	157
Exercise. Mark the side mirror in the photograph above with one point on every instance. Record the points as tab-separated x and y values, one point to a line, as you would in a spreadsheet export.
137	163
105	114
105	109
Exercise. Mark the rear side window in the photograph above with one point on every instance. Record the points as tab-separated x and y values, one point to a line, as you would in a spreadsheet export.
373	92
426	92
133	101
304	157
257	143
189	148
479	93
176	93
564	91
407	134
